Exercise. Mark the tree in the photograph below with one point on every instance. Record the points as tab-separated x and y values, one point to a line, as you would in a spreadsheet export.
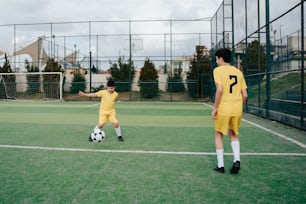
123	74
175	82
7	82
256	58
32	80
78	82
51	81
6	66
148	80
256	61
199	76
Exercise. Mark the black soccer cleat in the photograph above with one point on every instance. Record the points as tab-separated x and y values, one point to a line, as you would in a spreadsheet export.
120	139
235	168
89	138
219	169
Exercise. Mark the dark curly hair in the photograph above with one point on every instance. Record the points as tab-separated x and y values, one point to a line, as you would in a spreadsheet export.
225	53
111	83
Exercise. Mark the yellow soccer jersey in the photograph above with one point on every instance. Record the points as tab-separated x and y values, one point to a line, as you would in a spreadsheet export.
232	81
107	100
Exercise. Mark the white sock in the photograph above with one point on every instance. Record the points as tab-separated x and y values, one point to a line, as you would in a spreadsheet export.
96	129
118	131
220	157
236	150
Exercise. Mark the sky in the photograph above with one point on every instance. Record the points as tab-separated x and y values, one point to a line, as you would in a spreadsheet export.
18	12
30	11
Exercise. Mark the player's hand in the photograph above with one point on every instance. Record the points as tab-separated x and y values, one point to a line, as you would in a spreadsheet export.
81	93
214	113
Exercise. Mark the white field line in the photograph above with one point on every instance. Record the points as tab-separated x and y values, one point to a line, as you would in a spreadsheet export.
277	134
145	152
271	131
92	105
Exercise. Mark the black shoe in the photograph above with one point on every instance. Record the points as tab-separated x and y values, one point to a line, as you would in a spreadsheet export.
219	169
235	168
120	138
89	138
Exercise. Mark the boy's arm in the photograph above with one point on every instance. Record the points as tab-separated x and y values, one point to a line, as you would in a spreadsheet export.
244	94
81	93
217	101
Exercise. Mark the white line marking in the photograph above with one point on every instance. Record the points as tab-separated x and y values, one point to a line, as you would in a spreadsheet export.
146	152
271	131
92	105
277	134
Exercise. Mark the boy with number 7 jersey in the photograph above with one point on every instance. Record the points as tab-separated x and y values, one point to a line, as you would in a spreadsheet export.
230	96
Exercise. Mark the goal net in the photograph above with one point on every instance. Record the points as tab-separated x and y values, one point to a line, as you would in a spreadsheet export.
31	85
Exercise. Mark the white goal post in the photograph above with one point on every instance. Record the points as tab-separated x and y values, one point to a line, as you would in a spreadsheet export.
31	85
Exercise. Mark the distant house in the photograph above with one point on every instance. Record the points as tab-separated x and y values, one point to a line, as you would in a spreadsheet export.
179	65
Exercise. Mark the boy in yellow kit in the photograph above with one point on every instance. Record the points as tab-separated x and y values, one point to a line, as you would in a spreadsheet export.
107	110
230	96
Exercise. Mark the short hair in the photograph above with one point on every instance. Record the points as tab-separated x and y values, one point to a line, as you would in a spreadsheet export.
110	83
225	53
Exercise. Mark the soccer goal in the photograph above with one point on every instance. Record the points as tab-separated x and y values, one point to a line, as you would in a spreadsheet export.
31	86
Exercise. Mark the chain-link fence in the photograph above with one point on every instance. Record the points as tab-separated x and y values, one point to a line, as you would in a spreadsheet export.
266	37
100	43
268	43
94	47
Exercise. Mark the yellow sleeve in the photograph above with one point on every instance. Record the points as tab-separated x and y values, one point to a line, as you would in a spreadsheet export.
217	77
100	93
243	85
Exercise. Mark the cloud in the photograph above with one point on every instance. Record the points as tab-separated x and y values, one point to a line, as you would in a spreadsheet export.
52	14
90	10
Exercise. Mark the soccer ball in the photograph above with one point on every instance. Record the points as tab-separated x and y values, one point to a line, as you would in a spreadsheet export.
97	135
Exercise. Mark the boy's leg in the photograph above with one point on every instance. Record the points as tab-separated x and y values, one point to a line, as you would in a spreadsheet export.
221	128
118	132
233	133
236	151
219	151
113	119
235	147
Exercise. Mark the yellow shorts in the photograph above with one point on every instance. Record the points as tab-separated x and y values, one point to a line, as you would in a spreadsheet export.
224	123
107	116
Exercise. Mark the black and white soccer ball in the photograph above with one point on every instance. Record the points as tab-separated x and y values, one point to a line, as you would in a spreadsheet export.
97	135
